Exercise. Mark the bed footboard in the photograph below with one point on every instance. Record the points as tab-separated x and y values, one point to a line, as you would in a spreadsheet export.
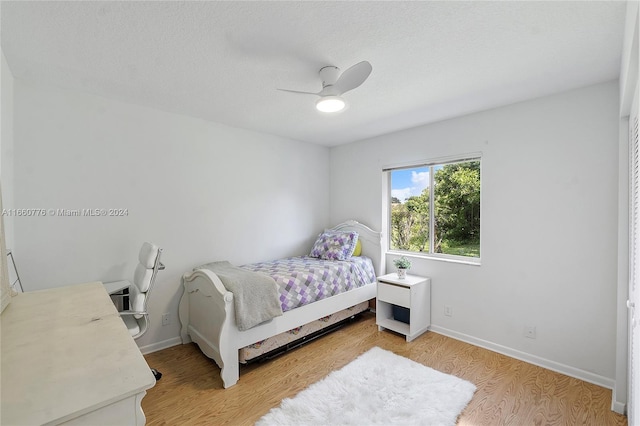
208	319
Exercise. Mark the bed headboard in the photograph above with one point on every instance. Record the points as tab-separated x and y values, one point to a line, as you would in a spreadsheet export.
370	240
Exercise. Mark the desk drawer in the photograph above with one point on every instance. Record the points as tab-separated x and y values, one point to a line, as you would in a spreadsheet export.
397	295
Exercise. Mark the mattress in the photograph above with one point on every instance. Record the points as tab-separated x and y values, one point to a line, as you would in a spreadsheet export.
264	346
302	280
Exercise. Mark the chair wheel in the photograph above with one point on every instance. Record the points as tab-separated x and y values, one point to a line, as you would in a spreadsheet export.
156	374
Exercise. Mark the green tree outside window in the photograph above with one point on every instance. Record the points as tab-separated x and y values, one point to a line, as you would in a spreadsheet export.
456	216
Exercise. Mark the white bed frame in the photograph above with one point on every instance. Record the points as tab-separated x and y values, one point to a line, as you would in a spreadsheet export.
207	310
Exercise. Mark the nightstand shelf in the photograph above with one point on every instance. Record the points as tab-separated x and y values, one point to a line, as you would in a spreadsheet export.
413	293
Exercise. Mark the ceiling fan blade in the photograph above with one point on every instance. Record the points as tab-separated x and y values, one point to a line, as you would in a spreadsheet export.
298	91
353	77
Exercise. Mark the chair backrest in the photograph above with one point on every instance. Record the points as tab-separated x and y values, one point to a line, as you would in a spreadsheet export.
144	277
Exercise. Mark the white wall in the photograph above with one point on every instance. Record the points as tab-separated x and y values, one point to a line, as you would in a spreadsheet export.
628	86
6	146
200	190
6	172
548	232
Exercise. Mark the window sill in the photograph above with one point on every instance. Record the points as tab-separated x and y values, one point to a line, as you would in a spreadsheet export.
473	261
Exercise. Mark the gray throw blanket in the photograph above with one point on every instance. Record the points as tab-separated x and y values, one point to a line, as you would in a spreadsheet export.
255	295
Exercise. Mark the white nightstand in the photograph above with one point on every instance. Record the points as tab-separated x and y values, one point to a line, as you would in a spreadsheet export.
412	292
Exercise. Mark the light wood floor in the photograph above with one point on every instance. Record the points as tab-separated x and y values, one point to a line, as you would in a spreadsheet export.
510	392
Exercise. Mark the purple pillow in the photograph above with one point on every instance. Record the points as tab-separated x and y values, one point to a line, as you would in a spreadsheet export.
334	245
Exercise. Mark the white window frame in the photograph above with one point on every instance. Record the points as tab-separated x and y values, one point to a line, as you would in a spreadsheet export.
386	212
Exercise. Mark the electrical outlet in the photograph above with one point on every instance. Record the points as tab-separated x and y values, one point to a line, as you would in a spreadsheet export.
448	311
166	319
529	331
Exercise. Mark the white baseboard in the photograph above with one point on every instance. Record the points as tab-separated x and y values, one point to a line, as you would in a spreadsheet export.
587	376
158	346
617	406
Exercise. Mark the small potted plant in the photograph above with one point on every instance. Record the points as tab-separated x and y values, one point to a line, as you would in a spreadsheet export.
402	264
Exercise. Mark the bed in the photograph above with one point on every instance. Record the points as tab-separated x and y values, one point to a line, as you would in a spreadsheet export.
208	317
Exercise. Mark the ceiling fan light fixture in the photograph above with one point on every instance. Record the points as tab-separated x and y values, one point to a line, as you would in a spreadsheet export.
330	104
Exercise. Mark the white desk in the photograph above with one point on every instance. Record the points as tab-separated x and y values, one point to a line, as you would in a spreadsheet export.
116	286
67	358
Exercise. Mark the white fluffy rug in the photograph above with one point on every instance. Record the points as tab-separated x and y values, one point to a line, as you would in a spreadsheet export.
379	387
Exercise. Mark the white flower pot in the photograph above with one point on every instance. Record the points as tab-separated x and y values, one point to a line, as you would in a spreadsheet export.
402	273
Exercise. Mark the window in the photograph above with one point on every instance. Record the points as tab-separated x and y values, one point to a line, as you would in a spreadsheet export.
451	227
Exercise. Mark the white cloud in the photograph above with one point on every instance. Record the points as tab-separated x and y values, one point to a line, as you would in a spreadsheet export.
401	194
420	181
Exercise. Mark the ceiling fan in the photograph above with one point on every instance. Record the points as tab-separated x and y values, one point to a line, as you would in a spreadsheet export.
334	85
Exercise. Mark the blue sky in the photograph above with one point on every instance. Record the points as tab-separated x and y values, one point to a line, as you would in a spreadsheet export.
409	182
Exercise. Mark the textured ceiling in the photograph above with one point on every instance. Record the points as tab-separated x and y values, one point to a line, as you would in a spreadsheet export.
222	61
